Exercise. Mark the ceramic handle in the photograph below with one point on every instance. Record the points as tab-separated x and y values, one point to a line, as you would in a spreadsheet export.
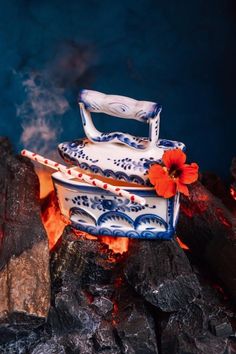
122	107
119	106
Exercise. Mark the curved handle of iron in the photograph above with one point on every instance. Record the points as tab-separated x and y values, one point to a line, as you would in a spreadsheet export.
122	107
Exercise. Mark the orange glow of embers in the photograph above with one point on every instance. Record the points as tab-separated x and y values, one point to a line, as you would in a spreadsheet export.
52	219
46	185
116	244
181	244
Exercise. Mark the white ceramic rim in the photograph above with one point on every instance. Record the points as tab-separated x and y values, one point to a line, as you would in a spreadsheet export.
62	178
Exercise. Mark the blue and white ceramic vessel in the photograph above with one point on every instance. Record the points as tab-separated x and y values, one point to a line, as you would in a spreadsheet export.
100	213
122	158
117	155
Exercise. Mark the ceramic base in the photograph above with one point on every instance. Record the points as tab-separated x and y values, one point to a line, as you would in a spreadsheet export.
100	213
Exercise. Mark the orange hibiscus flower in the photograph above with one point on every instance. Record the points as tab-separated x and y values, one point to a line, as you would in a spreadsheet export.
174	175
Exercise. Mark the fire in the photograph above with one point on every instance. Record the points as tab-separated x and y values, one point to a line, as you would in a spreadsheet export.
46	185
116	244
55	223
182	245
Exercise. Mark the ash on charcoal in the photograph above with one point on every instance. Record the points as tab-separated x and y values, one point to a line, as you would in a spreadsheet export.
161	273
103	306
78	265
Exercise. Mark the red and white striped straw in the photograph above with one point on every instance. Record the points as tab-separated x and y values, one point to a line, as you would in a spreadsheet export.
83	177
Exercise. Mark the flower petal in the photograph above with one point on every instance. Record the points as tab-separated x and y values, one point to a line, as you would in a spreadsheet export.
166	187
175	157
156	172
182	188
189	173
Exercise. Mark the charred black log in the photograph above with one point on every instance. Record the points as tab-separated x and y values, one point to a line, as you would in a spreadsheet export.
89	303
161	273
208	228
24	255
135	326
202	327
219	189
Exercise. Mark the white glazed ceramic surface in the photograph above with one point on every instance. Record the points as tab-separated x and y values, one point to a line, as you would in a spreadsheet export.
99	212
117	155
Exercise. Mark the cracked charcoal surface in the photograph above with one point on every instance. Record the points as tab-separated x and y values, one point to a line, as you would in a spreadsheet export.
208	228
149	301
80	263
165	278
20	220
135	326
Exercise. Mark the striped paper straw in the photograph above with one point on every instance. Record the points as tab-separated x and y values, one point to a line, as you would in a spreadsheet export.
83	177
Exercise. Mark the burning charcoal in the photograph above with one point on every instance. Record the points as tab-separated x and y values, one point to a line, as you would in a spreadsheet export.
103	306
24	255
219	189
101	290
134	324
20	341
221	328
186	332
87	261
76	264
208	229
160	272
202	327
104	339
75	342
50	347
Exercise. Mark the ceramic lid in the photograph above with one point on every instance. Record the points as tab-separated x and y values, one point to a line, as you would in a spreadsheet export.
117	155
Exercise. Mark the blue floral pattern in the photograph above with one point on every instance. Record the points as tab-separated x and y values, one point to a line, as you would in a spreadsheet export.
129	170
103	203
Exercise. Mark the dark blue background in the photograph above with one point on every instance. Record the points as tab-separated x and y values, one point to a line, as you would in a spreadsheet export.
179	53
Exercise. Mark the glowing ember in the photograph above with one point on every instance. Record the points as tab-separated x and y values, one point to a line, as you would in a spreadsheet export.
182	245
116	244
53	221
233	192
84	234
222	218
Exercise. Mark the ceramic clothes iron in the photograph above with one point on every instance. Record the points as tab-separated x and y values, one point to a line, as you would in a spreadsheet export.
117	155
124	160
